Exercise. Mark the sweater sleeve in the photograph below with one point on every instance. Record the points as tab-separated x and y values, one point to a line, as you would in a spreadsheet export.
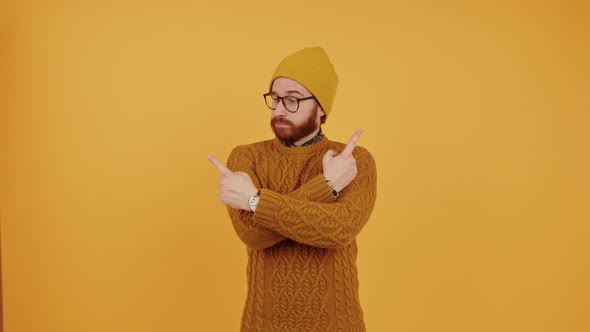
252	233
322	223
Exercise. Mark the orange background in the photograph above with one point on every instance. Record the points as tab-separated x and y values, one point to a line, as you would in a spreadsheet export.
477	114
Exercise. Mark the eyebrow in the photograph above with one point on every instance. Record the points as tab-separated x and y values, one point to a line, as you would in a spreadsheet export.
295	91
291	92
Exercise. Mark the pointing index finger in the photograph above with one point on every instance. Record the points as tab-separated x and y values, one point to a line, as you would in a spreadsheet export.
352	143
219	165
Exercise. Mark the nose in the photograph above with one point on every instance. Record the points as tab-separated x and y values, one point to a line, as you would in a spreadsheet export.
280	110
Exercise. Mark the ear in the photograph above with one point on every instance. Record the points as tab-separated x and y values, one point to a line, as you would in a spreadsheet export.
321	112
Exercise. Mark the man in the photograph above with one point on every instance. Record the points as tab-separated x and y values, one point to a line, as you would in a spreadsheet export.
298	202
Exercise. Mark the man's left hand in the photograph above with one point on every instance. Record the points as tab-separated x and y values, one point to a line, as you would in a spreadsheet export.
235	188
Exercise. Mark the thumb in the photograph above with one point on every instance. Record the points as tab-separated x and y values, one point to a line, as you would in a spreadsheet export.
330	154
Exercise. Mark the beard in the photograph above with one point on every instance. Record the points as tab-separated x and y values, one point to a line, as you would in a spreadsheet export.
292	133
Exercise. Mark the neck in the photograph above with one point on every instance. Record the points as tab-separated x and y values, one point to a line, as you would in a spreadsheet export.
306	138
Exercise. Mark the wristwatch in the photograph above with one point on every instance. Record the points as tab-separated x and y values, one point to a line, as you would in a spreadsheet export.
253	201
334	192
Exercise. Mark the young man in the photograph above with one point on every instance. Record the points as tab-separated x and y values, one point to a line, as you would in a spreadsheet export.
298	202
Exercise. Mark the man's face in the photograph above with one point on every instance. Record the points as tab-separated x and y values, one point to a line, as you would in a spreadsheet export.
294	127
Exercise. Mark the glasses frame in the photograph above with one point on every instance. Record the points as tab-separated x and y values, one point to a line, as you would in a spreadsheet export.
282	100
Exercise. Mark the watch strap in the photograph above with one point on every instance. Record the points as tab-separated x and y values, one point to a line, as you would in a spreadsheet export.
334	191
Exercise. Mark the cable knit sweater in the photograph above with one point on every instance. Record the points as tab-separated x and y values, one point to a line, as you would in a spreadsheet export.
302	273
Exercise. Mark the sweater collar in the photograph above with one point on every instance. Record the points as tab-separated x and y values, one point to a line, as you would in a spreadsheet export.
319	147
318	137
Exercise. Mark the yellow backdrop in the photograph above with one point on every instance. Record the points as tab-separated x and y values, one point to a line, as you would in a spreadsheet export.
477	114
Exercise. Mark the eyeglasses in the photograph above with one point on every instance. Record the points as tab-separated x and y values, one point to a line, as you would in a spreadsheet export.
291	103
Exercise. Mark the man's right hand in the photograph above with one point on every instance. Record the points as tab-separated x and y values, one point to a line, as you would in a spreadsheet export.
340	169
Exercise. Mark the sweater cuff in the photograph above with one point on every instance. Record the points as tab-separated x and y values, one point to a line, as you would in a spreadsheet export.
270	202
319	190
267	205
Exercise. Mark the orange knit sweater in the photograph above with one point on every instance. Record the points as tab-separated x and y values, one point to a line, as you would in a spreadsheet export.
302	273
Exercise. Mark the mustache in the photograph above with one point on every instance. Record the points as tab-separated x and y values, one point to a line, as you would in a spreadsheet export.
280	120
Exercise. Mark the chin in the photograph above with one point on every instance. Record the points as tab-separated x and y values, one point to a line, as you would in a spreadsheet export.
286	138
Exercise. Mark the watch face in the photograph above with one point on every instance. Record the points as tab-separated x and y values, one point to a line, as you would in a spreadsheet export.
254	202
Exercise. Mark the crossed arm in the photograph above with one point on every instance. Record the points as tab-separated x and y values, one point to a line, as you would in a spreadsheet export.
310	214
254	233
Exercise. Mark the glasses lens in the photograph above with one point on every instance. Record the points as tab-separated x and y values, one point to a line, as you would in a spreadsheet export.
271	101
291	104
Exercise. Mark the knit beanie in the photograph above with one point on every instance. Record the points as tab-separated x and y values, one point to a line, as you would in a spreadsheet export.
312	68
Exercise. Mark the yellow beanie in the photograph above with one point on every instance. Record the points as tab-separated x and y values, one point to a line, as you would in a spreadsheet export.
312	68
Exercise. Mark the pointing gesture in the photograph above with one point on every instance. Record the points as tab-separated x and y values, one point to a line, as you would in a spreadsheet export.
220	166
352	143
235	188
340	169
